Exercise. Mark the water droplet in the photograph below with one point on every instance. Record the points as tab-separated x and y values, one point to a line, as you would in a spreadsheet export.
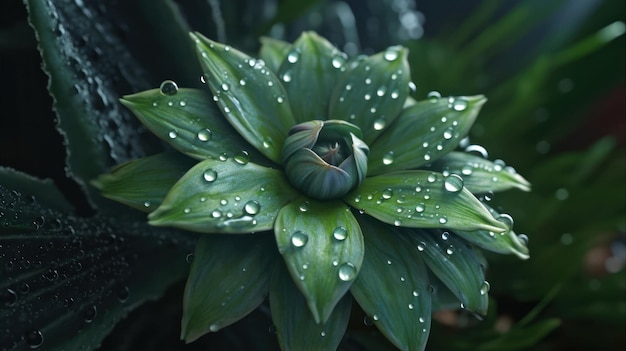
397	222
172	134
280	99
209	175
287	77
34	339
433	96
387	194
388	158
242	157
412	87
432	178
216	214
395	94
90	314
380	123
453	183
267	142
506	219
123	294
421	319
304	206
225	86
443	220
347	272
204	134
293	56
381	91
481	151
459	104
445	236
8	297
299	239
214	327
449	250
420	208
448	133
416	293
484	288
169	88
340	233
252	207
338	61
323	334
411	306
367	320
391	54
421	246
368	81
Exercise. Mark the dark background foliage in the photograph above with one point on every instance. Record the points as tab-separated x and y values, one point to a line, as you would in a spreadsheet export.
553	73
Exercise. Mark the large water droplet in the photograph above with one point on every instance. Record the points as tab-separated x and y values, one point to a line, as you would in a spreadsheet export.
299	239
169	88
484	288
172	134
209	175
387	194
340	233
453	183
443	220
448	133
252	207
338	61
287	77
380	123
388	158
432	178
304	206
477	149
459	104
242	157
420	208
293	56
506	219
433	96
204	134
90	314
34	339
391	54
347	272
467	170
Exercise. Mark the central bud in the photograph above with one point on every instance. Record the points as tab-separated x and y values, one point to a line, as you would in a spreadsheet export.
325	159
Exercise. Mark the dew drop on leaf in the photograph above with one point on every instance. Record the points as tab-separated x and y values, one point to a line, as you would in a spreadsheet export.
242	157
172	134
252	207
299	239
204	134
433	96
443	220
304	206
34	339
287	77
453	183
347	272
388	158
484	288
90	314
459	104
169	88
420	208
391	54
340	233
209	175
293	57
387	194
380	123
432	178
338	61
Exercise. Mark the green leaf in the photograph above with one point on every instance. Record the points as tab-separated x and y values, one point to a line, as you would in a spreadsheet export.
228	279
423	133
456	264
95	128
479	174
309	73
258	108
47	193
66	281
190	122
273	51
392	287
422	199
296	328
443	298
371	94
224	197
144	182
322	245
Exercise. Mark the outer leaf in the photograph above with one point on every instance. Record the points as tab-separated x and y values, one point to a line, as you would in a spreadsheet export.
371	94
456	264
228	279
257	108
393	287
309	73
273	51
481	175
423	133
421	199
96	129
224	197
143	183
189	121
322	245
66	281
295	328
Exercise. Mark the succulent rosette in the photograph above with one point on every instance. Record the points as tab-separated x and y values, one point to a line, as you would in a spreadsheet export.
342	186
